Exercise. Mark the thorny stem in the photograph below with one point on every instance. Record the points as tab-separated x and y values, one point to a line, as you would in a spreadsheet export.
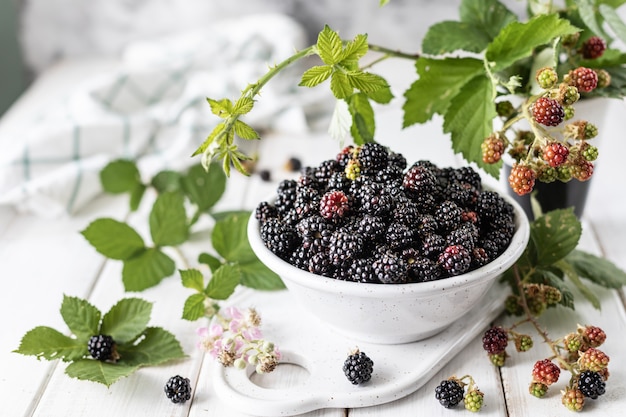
532	320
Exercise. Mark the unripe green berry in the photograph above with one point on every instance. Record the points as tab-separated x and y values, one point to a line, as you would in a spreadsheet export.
546	173
547	78
505	108
498	359
353	169
473	400
538	389
590	153
564	173
604	78
523	343
569	112
569	94
591	131
513	306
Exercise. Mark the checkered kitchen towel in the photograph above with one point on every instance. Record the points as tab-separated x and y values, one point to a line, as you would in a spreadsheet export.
153	110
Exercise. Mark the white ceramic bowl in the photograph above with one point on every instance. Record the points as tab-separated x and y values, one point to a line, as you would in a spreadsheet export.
391	313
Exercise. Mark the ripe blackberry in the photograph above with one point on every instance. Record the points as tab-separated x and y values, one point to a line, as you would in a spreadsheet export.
372	157
591	384
265	211
285	196
362	270
334	205
555	154
593	48
448	215
466	235
397	160
307	201
522	179
374	199
345	245
178	389
345	156
463	194
547	111
279	238
420	268
390	176
480	257
495	340
433	244
326	169
546	372
390	268
455	260
449	393
585	79
102	347
419	180
358	367
338	181
293	164
300	258
315	231
372	228
466	175
399	235
320	264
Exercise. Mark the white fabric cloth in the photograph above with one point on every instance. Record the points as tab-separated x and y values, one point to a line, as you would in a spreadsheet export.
153	110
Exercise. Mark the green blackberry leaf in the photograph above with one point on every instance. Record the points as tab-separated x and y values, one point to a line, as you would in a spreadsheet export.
245	131
230	238
440	80
217	131
355	49
210	260
97	371
366	82
113	239
490	16
50	344
614	21
574	278
126	319
120	176
554	235
204	187
587	13
82	318
363	122
451	36
166	181
222	108
136	195
329	46
146	269
518	40
168	220
381	96
596	269
155	346
315	75
254	274
194	307
340	85
192	278
223	282
469	120
243	105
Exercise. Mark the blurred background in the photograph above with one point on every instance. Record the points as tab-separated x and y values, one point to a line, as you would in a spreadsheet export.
36	34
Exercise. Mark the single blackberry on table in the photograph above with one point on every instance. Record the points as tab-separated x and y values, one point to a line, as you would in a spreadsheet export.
178	389
547	111
449	393
448	215
345	245
373	157
455	260
293	164
334	205
591	384
265	211
390	268
495	340
279	238
358	367
102	347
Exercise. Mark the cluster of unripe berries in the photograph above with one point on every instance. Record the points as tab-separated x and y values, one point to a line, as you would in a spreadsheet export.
577	353
544	153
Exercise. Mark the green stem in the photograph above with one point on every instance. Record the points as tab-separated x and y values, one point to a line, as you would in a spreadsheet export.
393	52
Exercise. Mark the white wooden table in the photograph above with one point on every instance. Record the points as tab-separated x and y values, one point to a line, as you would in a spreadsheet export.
42	259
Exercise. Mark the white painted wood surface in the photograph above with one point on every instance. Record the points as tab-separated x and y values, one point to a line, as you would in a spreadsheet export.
42	259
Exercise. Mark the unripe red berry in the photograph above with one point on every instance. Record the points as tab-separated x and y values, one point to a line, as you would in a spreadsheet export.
555	154
522	179
585	79
593	48
547	111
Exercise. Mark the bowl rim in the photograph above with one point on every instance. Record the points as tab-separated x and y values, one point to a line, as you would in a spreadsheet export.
492	270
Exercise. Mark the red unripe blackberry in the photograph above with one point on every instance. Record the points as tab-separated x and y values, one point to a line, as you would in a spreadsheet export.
593	360
593	48
492	149
547	111
334	205
594	335
555	154
522	179
495	340
546	372
585	79
582	170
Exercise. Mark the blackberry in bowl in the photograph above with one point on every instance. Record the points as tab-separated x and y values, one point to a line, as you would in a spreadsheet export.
383	251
